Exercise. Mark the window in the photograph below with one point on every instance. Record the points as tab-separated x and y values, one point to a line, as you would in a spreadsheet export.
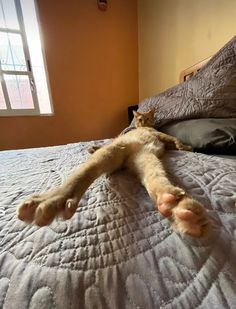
23	89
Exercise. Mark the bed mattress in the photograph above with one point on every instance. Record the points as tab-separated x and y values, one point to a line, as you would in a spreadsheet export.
117	251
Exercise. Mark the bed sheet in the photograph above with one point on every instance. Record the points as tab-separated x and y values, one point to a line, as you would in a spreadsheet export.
117	251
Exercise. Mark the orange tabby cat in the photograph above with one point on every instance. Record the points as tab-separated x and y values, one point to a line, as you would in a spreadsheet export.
139	151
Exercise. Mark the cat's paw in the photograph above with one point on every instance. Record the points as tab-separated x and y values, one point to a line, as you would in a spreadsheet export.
190	217
185	147
186	214
42	209
93	149
188	148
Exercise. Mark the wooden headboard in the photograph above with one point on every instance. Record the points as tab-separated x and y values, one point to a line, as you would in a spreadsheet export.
189	72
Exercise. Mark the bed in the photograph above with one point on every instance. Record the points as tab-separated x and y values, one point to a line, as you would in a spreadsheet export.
117	251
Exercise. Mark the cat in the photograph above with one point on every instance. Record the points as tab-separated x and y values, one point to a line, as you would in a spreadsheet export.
139	151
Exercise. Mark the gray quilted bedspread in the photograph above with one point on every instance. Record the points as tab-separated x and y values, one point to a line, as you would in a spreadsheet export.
117	251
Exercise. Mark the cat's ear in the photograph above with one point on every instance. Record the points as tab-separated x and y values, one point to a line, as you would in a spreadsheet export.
136	114
151	112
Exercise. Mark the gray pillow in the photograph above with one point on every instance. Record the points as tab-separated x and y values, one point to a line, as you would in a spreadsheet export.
212	136
211	93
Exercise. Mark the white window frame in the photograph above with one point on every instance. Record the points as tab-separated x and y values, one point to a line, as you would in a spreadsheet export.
9	111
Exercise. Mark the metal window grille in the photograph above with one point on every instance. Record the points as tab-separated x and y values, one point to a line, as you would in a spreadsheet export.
18	93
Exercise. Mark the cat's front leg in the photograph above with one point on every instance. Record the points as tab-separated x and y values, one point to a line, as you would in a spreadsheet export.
173	142
178	145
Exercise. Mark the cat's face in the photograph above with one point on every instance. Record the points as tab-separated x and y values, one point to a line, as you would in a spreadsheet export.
144	119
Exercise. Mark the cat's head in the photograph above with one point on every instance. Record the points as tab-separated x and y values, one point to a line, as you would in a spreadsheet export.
142	119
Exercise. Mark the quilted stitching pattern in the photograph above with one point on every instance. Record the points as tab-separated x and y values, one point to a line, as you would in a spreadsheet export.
117	251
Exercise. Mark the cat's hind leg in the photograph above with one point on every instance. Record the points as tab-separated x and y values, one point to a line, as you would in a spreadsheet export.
186	214
63	201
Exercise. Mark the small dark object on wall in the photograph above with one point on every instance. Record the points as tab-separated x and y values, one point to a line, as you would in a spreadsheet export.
130	112
102	5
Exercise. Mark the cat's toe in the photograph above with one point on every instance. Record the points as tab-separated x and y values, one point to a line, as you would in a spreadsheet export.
70	208
167	201
51	208
46	212
26	211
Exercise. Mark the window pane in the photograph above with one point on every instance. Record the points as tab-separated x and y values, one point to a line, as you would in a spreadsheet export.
11	52
19	91
36	56
8	16
2	100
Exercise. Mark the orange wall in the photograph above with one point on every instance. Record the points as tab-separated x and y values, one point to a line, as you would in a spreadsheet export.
92	62
174	35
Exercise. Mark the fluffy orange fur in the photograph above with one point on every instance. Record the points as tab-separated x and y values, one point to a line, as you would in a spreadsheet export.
142	119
